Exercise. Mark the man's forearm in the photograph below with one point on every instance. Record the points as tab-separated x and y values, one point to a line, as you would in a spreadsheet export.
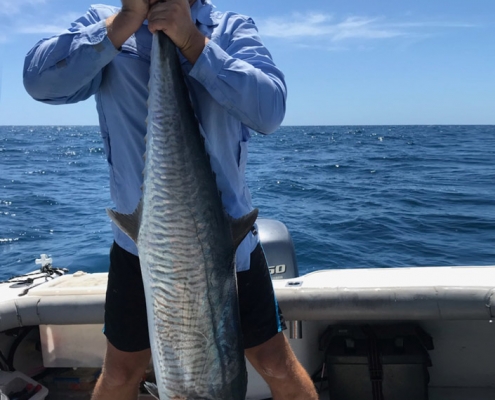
67	68
121	26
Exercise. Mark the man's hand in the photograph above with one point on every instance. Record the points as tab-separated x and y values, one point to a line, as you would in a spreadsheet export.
137	10
128	20
173	17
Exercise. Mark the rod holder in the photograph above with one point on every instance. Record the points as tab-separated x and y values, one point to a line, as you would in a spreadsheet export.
295	329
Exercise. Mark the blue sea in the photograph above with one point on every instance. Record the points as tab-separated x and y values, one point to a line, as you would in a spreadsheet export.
351	196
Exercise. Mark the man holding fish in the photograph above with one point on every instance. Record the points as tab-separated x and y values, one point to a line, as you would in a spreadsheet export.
234	86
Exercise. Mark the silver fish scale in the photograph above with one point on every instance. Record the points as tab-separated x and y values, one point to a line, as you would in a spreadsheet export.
186	250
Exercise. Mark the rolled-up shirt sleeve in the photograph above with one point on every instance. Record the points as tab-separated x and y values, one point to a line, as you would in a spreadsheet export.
67	68
244	79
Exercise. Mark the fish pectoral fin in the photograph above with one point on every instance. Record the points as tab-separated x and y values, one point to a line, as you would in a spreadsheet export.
152	389
241	226
128	223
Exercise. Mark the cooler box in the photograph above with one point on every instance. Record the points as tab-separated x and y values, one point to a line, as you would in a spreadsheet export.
387	362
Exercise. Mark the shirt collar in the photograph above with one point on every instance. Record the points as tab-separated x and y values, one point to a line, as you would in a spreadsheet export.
201	11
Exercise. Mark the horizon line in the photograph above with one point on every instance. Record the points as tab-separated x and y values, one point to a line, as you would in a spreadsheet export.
281	126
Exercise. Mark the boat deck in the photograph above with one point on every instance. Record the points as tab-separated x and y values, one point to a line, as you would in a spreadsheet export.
450	394
435	393
456	306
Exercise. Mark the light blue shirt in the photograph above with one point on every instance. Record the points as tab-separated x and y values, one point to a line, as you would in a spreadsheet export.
234	87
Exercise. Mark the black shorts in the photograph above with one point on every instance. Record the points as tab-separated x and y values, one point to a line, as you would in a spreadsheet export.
126	324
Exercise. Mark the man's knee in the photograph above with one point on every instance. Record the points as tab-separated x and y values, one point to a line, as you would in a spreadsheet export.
274	358
113	377
122	368
276	366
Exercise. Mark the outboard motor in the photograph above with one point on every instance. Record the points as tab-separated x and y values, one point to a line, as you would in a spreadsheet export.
281	257
279	248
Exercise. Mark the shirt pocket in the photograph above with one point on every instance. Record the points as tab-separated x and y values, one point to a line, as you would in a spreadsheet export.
243	148
106	144
105	136
243	155
138	46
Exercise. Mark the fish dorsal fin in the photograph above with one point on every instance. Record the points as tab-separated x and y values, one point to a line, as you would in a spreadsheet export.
241	226
128	223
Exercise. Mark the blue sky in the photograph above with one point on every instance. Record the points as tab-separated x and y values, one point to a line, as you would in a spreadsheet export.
350	62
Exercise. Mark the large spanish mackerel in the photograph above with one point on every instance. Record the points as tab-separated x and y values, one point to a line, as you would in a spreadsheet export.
186	245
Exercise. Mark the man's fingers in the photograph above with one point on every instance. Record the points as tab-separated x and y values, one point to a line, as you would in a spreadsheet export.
162	13
158	24
172	17
157	8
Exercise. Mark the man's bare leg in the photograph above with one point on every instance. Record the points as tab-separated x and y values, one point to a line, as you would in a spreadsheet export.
274	360
277	364
121	374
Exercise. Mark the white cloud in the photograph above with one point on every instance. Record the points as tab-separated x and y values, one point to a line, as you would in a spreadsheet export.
12	26
47	29
319	25
57	25
320	47
434	24
10	7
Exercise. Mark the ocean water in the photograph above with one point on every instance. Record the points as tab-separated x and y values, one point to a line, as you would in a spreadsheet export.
352	197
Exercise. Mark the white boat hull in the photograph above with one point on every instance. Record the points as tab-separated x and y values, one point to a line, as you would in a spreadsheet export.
454	305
